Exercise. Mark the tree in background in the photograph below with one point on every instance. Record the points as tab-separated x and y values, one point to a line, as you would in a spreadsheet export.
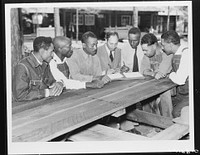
16	38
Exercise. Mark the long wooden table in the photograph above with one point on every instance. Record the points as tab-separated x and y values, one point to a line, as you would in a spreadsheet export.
43	120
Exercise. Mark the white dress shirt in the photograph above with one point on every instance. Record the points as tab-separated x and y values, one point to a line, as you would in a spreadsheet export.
179	77
59	76
128	54
108	51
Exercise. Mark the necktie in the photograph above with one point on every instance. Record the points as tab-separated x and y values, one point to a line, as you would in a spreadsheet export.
111	56
135	60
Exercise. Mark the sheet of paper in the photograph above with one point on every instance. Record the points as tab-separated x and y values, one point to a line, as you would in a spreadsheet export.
126	76
133	75
115	76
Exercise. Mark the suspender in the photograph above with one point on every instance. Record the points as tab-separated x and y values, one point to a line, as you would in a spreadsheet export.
25	68
184	49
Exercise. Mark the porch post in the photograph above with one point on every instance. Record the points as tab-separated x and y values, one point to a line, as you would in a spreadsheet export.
77	30
135	17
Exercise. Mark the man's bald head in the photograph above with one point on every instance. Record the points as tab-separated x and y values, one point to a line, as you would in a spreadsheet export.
62	46
60	41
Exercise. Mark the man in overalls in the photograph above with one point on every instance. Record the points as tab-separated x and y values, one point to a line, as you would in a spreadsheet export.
171	44
32	78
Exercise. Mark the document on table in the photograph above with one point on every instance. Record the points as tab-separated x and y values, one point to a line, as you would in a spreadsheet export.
126	76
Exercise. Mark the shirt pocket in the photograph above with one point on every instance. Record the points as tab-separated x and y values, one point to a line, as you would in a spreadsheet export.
36	84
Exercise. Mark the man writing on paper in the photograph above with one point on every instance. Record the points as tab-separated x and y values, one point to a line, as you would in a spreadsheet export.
59	66
157	64
84	64
109	55
132	53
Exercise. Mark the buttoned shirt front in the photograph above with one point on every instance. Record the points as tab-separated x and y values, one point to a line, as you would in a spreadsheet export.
59	76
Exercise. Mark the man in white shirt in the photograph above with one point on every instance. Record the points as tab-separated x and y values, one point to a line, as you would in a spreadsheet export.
132	53
59	66
170	41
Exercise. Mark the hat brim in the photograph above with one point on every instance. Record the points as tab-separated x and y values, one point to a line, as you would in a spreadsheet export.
180	121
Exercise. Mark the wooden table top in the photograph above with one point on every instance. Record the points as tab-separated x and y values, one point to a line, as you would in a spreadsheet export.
43	120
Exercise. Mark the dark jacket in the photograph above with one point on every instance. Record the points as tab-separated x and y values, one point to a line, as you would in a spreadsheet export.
31	79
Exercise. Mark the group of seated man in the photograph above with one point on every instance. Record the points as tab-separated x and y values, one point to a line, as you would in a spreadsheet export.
54	65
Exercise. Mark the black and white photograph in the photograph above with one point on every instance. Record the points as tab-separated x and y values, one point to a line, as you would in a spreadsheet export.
99	77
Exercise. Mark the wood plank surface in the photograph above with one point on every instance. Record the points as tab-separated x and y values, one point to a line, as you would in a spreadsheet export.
174	132
150	119
89	92
103	133
47	119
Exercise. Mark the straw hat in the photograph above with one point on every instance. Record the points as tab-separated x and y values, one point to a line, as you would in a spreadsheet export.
184	118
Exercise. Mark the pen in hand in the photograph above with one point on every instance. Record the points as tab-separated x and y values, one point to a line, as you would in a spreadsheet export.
124	63
109	66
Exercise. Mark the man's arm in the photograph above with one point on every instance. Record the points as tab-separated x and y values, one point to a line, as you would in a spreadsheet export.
119	58
145	68
179	77
56	73
59	76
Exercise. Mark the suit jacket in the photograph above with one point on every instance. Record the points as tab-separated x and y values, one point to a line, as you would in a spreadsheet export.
105	60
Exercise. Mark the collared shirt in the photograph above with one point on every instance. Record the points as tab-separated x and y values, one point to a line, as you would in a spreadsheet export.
37	59
160	62
104	56
179	77
84	67
128	55
31	80
59	76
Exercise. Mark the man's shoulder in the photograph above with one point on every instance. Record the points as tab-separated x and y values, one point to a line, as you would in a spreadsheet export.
118	50
24	64
126	44
26	59
101	48
126	47
182	50
77	52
